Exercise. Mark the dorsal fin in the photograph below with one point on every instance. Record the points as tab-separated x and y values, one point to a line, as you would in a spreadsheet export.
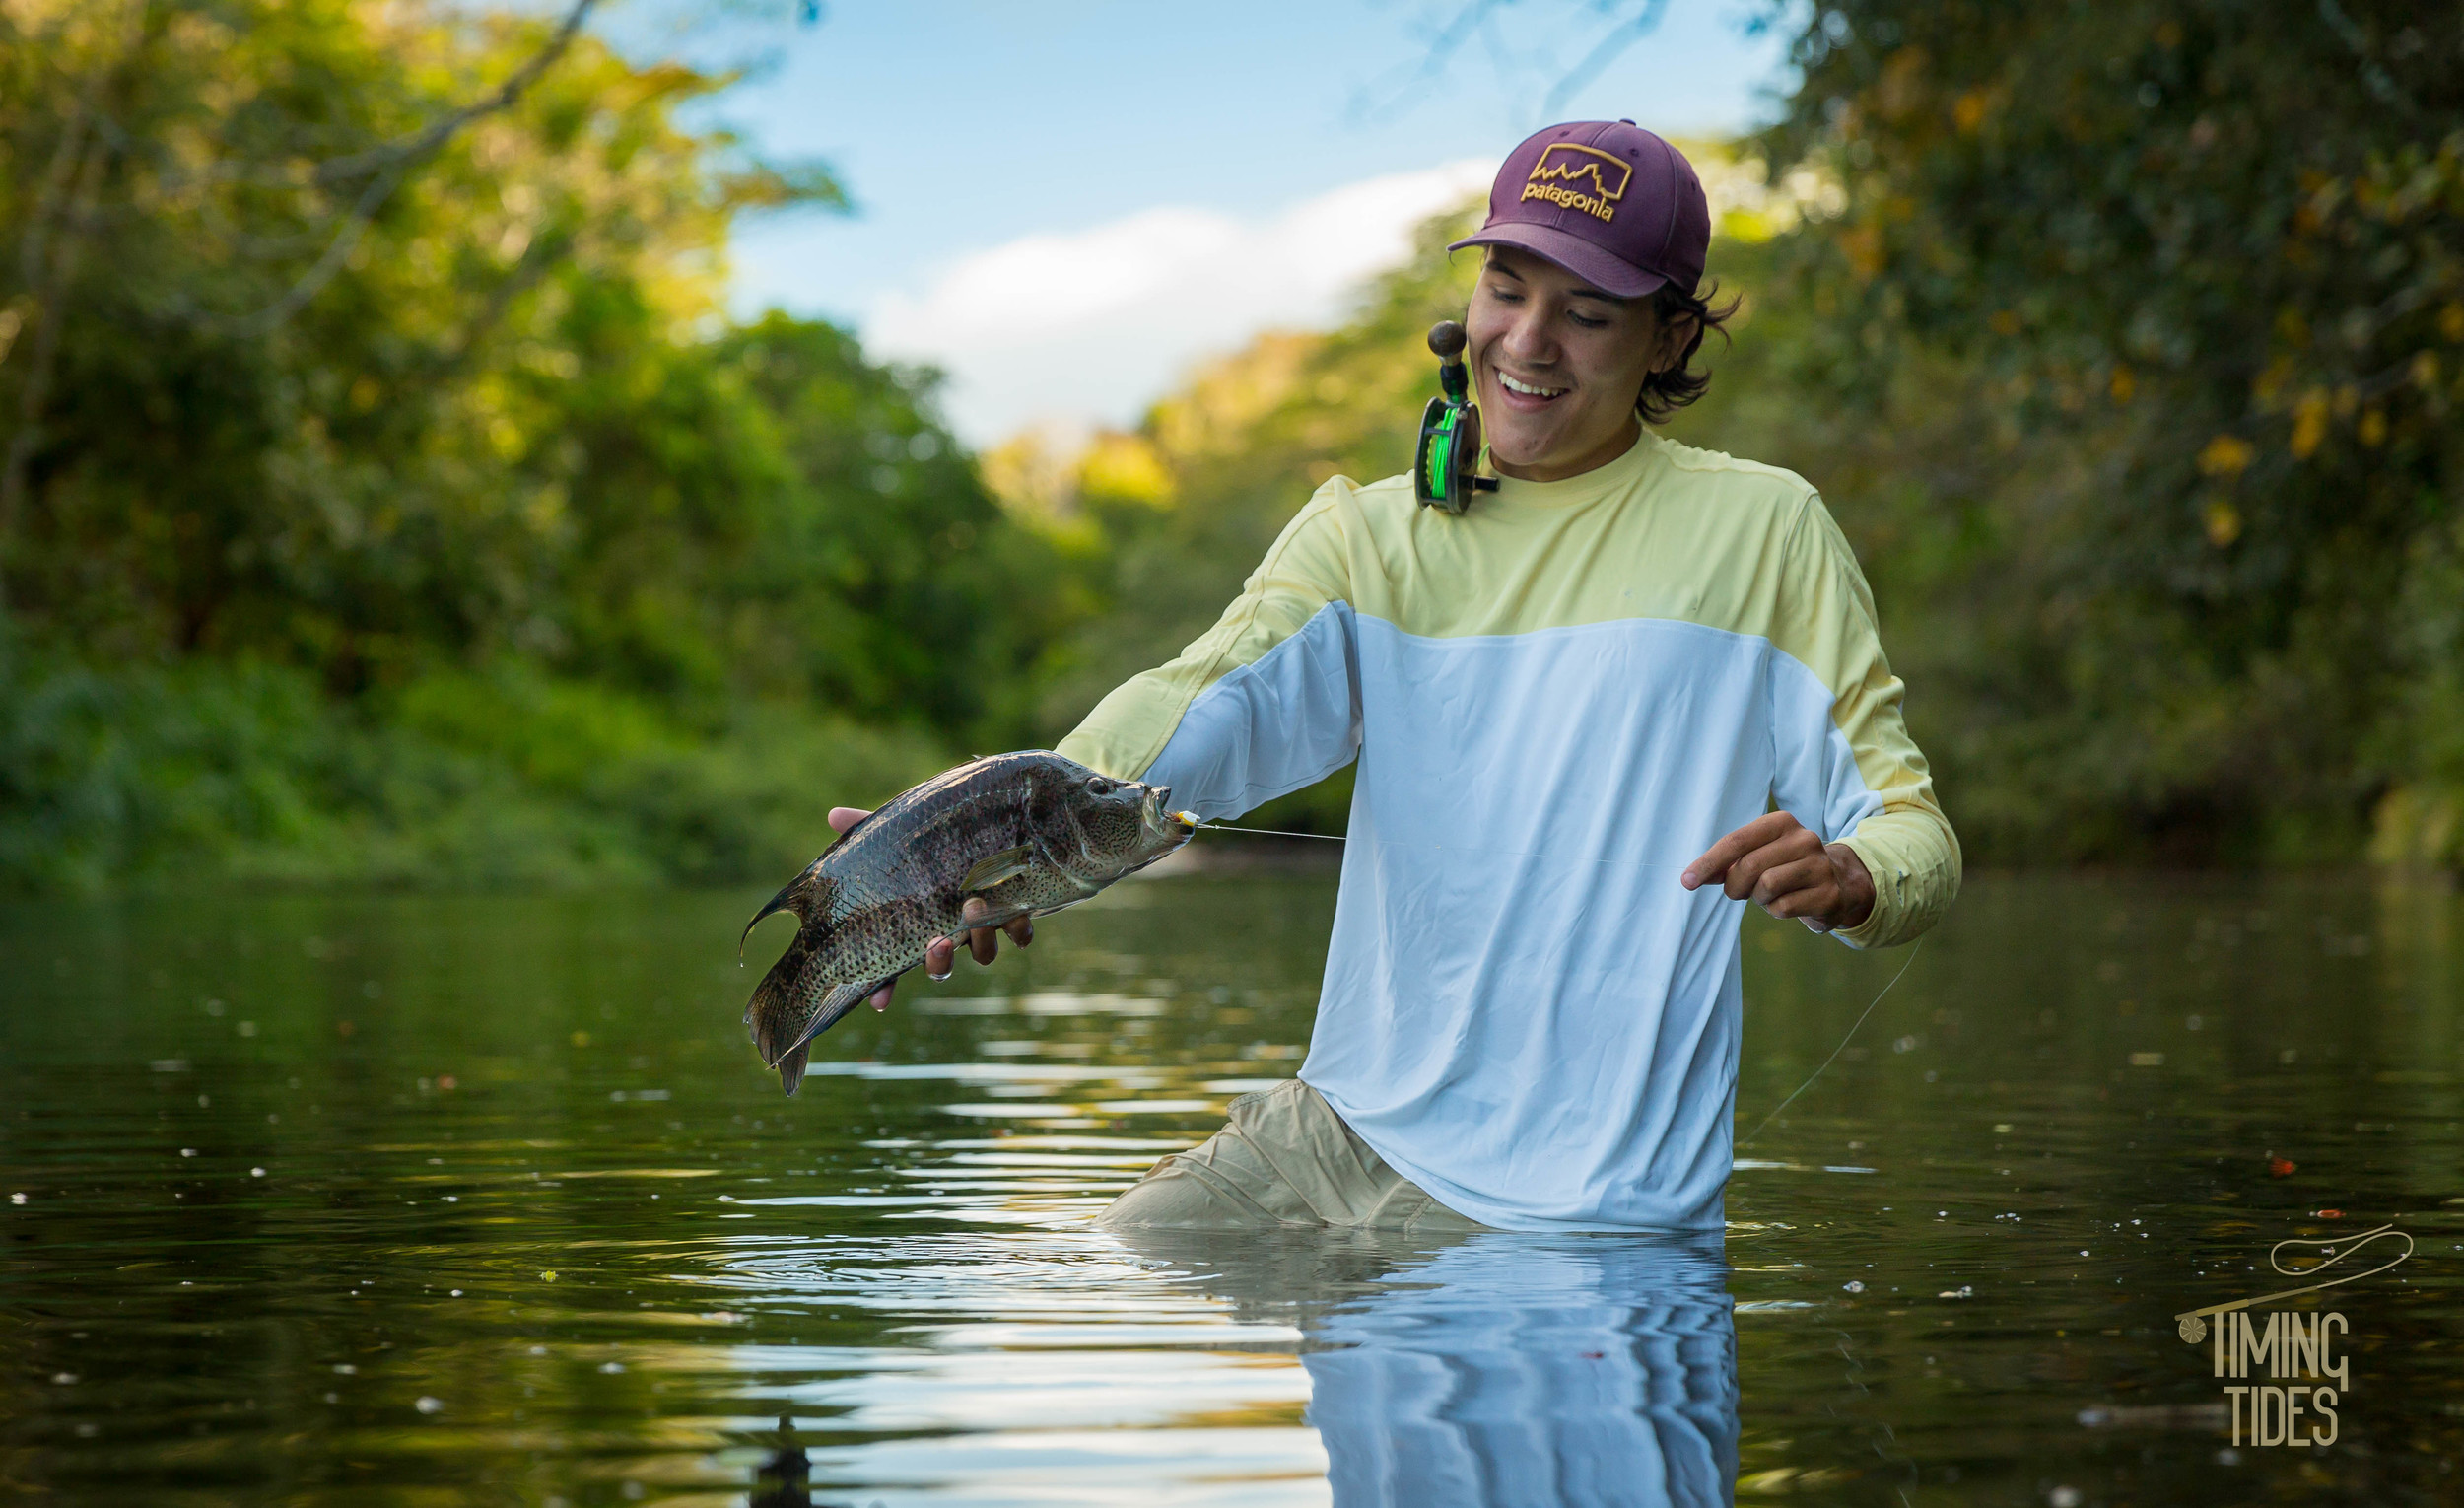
808	895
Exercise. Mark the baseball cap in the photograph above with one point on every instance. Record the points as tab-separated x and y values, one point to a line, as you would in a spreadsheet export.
1606	200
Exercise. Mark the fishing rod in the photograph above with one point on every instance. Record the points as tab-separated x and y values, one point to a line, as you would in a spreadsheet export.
1203	825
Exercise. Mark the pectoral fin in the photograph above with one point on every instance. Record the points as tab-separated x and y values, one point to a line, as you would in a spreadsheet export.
992	868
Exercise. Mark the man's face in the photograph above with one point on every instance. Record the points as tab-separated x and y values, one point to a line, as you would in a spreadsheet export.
1556	366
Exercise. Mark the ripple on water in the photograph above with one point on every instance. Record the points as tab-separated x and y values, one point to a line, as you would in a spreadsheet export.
530	1213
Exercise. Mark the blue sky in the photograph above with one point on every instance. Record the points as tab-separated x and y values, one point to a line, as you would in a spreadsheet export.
1066	205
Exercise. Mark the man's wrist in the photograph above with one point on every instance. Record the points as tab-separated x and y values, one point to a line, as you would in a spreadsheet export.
1856	888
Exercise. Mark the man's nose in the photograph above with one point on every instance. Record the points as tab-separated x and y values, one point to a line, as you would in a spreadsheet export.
1526	337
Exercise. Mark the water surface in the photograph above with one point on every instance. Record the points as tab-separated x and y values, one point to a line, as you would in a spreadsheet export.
381	1200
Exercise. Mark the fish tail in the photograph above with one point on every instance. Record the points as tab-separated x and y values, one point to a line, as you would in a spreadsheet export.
784	1035
782	1005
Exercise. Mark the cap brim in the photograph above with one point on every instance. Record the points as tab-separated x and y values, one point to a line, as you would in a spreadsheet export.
1581	258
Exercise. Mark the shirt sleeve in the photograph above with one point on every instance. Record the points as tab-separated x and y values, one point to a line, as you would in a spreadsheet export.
1266	702
1856	776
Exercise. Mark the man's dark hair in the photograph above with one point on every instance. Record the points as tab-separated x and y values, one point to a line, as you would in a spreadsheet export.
1673	388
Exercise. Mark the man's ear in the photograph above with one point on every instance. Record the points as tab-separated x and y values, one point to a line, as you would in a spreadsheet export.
1674	334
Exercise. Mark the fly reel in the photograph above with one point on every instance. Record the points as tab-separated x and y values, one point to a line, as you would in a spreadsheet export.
1443	468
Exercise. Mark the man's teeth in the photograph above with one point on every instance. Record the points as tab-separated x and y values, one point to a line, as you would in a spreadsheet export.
1524	387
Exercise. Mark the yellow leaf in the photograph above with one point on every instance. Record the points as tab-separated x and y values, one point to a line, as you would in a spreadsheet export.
2225	455
2309	423
2224	524
1126	466
2123	384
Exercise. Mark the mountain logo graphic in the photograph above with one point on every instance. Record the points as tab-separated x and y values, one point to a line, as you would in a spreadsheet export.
1564	170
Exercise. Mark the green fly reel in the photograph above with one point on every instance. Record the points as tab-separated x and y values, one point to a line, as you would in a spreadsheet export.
1444	469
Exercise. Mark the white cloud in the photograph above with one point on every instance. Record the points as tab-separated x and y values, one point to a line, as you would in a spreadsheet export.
1092	325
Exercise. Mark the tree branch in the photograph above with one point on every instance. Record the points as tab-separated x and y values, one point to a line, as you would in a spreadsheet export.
390	164
1607	50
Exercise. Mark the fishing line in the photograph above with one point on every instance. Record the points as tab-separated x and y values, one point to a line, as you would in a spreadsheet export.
1206	826
1269	832
1835	1052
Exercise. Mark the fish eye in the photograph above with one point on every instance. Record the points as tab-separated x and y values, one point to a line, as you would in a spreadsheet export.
1098	785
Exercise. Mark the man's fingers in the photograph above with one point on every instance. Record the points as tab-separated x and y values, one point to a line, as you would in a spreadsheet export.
881	997
1721	857
1793	889
1747	876
982	941
844	817
1021	929
939	954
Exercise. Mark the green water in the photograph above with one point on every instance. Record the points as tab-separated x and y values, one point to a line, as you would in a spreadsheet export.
376	1200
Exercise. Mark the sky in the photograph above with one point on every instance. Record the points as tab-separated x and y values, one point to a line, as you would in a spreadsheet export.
1065	207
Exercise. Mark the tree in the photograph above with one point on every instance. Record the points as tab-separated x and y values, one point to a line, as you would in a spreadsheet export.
385	464
2219	247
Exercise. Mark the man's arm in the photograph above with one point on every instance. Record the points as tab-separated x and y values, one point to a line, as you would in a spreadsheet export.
1261	704
1858	848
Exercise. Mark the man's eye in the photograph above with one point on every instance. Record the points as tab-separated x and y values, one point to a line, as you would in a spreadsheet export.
1589	323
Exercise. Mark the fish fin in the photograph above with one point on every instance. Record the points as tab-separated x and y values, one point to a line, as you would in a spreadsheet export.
1002	917
837	1004
808	895
791	1069
992	868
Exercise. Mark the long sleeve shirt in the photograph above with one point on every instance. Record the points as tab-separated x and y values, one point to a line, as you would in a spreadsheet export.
1557	700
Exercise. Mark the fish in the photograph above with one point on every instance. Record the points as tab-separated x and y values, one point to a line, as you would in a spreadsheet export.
1030	832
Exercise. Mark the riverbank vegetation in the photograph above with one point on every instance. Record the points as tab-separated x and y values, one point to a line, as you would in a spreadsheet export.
395	506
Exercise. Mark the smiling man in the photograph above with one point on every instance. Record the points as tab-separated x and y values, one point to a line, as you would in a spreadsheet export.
1634	687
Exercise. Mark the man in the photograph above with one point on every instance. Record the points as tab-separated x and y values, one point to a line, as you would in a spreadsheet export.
1571	706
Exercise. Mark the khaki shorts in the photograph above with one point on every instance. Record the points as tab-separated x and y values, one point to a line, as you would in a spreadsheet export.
1286	1159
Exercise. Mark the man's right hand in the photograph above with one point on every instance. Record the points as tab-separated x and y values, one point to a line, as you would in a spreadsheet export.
941	954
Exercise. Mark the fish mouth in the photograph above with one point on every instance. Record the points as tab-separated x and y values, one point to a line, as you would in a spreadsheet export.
1160	817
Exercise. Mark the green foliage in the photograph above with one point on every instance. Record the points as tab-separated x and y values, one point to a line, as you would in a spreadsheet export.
2179	284
165	778
392	513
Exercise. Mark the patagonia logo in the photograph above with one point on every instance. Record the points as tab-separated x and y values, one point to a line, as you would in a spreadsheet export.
1565	171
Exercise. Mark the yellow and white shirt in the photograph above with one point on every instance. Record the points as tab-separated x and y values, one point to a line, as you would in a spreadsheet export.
1557	701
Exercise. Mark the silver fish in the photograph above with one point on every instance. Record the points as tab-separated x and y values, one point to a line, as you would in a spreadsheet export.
1030	833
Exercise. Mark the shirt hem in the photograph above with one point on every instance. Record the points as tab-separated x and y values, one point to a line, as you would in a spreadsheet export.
1502	1218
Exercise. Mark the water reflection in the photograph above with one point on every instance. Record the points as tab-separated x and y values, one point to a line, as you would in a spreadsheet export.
332	1201
784	1480
1496	1369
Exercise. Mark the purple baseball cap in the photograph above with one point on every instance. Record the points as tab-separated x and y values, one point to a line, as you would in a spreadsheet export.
1606	200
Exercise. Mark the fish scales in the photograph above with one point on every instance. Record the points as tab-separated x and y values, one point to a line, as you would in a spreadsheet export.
1029	833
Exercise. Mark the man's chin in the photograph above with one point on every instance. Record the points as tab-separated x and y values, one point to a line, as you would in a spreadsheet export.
1511	458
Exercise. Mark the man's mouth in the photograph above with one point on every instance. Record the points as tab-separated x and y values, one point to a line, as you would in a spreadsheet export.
1528	389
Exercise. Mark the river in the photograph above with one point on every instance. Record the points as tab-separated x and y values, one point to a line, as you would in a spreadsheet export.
409	1199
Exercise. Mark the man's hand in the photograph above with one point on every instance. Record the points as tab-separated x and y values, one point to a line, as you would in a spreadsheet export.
985	942
1779	865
